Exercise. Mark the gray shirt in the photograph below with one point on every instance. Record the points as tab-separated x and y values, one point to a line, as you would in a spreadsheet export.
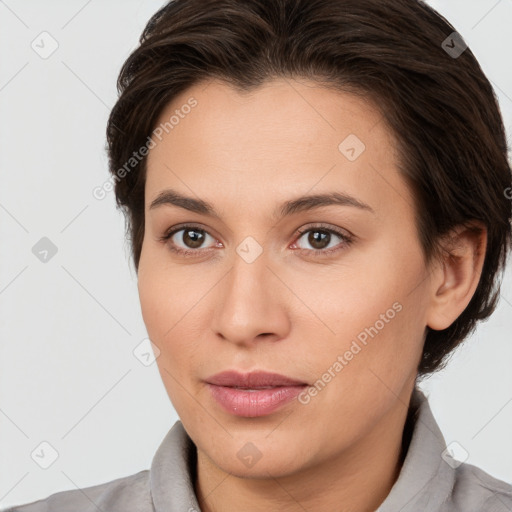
429	480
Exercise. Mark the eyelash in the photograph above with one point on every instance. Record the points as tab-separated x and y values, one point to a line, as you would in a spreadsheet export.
346	240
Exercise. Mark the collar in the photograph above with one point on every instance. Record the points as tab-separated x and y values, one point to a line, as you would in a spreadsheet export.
425	481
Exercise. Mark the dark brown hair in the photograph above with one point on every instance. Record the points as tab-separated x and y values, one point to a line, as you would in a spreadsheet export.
440	106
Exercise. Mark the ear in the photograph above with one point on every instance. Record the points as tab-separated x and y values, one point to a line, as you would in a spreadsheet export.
456	274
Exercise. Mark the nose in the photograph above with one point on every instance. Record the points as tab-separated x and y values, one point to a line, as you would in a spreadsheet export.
251	304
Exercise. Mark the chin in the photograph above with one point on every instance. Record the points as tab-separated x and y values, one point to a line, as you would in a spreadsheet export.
256	456
275	464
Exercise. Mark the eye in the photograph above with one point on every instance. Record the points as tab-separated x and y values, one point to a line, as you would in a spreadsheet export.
320	238
193	238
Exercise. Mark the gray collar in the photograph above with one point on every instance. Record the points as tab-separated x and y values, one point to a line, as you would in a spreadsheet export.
424	483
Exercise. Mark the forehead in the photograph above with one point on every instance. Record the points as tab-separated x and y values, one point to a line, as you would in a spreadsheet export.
283	138
285	109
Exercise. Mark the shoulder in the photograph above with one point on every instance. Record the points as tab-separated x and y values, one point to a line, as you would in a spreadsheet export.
475	490
127	494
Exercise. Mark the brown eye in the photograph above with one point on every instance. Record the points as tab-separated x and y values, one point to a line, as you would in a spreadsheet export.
186	239
193	238
320	238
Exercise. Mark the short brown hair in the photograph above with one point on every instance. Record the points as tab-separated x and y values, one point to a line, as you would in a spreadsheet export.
440	106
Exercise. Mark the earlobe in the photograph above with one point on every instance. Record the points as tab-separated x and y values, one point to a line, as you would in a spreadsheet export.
456	277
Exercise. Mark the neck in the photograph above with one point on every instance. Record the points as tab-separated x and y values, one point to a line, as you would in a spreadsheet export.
356	480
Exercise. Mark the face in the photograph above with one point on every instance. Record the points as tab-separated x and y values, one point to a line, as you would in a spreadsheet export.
332	294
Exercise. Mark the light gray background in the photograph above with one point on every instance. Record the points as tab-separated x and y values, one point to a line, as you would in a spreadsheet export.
68	327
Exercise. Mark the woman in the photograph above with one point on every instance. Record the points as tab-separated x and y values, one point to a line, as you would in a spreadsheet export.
318	202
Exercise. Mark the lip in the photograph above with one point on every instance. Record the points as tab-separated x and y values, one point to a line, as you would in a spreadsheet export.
252	380
257	393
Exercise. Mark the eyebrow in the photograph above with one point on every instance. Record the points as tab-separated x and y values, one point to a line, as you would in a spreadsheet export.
300	204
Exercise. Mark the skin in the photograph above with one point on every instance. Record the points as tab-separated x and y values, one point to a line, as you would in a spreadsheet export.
289	311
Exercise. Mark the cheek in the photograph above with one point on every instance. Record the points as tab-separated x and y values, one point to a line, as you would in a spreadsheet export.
162	293
370	316
171	303
161	307
368	361
162	310
154	295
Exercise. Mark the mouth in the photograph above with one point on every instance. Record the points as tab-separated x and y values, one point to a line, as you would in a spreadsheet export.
253	394
252	380
253	389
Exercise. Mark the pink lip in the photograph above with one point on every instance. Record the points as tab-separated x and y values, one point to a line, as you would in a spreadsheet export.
264	392
256	379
